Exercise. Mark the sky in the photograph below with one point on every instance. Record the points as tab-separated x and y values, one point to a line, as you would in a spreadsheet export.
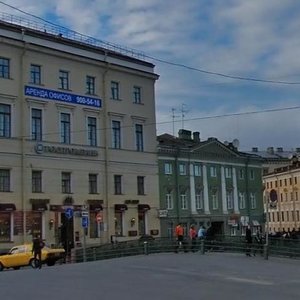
192	41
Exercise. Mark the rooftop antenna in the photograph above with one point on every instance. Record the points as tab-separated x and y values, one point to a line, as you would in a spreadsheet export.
173	120
183	111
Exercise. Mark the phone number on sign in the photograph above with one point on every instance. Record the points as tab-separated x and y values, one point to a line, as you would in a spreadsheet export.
88	101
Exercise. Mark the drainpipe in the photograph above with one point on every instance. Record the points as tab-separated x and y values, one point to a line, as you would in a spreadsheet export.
177	186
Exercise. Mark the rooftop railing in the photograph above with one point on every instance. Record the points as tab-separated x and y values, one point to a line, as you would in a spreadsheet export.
56	30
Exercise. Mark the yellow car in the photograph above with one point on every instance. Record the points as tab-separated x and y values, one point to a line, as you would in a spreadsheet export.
20	256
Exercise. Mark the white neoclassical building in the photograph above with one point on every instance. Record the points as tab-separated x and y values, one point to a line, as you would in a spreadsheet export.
77	134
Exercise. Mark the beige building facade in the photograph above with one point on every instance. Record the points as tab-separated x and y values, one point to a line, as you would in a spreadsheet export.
78	140
282	192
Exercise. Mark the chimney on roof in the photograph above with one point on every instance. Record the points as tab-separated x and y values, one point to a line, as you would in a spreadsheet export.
270	150
196	136
254	149
185	134
279	149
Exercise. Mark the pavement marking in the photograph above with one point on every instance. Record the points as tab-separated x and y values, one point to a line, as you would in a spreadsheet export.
248	280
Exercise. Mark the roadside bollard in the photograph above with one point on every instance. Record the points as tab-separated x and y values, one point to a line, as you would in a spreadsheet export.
202	251
146	248
266	251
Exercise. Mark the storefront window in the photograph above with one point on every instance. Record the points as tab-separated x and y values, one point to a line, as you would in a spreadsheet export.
118	223
142	227
5	226
34	223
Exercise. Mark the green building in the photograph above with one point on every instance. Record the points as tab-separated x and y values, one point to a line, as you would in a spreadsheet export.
208	183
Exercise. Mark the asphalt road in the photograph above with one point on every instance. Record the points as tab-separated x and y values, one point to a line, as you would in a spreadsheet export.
162	276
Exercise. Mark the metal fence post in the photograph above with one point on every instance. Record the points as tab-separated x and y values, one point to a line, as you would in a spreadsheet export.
202	250
266	251
146	250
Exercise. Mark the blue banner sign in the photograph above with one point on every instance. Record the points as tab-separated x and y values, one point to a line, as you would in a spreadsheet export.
61	96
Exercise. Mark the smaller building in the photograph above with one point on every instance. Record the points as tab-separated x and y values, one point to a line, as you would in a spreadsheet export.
282	187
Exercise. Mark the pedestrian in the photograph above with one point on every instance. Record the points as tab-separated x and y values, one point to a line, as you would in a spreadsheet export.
37	247
193	237
201	232
179	236
248	240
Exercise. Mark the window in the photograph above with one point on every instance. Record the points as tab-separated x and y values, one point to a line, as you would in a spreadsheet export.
63	80
139	137
118	184
295	180
36	181
90	85
228	172
233	230
4	67
197	170
182	169
119	222
36	124
285	182
282	216
5	226
168	168
140	185
66	182
4	180
35	74
5	120
114	90
93	183
92	131
116	134
214	198
199	199
142	222
137	98
241	174
213	171
229	199
169	201
242	200
183	201
252	200
251	174
65	123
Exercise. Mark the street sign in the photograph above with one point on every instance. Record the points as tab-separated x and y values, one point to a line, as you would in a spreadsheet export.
69	213
85	222
84	213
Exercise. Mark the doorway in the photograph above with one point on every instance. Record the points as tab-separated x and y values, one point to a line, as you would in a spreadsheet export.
67	233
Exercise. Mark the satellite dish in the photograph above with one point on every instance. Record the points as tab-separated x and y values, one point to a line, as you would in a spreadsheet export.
226	143
236	143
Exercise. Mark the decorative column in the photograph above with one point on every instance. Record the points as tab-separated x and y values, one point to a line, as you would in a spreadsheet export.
205	190
223	190
192	190
235	192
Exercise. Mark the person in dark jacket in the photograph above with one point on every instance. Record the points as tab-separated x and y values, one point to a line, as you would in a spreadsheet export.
37	247
248	241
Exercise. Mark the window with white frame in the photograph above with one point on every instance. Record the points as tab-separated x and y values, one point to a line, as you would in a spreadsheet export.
36	181
36	124
35	74
242	200
90	85
116	134
197	170
65	128
199	199
213	171
93	183
168	168
251	175
137	95
169	201
114	85
214	199
229	199
233	230
66	182
183	201
4	180
182	169
253	200
63	82
241	174
228	172
139	137
92	131
5	120
4	67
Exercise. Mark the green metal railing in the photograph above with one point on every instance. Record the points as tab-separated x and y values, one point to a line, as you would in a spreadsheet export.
276	247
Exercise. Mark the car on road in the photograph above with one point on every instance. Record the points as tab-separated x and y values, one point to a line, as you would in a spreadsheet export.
21	256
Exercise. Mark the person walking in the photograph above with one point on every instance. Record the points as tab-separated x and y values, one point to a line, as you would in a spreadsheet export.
37	247
248	241
193	237
179	236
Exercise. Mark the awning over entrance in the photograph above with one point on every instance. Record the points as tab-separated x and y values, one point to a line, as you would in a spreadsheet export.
96	207
7	207
143	207
39	204
121	207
